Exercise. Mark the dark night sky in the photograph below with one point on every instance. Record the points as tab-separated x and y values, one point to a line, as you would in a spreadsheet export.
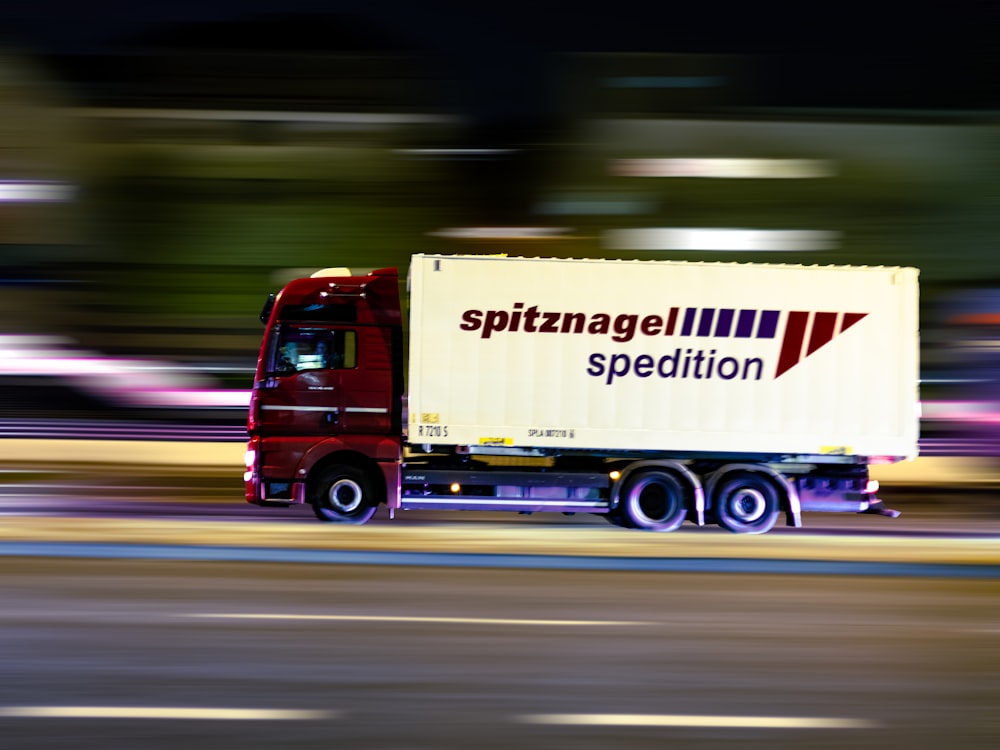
842	55
617	25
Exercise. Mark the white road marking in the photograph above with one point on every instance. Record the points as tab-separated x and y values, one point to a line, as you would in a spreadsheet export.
678	720
435	620
152	712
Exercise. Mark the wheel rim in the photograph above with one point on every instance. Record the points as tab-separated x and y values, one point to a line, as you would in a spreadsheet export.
747	504
345	495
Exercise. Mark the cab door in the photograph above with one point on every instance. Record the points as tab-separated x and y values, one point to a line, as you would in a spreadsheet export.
302	393
329	380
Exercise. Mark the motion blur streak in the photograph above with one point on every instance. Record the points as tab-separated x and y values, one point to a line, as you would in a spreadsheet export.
440	620
725	240
779	169
137	712
361	119
502	233
108	429
722	722
135	382
12	191
965	411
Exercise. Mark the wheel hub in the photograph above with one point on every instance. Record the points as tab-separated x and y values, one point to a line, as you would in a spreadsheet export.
748	504
345	495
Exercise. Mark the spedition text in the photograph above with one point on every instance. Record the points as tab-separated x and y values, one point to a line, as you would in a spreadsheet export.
681	364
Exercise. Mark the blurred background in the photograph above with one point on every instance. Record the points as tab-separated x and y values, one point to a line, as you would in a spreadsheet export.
163	168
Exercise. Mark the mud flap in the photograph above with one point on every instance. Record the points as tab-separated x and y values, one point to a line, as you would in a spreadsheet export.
879	508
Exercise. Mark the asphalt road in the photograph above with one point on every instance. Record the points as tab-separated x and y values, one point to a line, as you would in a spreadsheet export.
128	654
260	630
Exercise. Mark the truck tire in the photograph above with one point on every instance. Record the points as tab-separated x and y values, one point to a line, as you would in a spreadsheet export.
654	501
343	494
746	503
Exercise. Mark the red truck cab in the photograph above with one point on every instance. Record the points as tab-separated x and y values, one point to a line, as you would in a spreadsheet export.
326	406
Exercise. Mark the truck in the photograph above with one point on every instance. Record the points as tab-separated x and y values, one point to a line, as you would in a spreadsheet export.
649	392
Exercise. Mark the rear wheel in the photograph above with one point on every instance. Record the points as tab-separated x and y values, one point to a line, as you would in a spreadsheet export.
654	501
746	503
343	494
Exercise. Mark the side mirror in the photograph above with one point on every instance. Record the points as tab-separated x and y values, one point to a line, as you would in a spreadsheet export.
265	313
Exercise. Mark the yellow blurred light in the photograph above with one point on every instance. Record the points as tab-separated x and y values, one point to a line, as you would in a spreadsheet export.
615	475
723	168
456	487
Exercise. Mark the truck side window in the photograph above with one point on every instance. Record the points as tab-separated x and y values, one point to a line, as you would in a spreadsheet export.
288	358
301	349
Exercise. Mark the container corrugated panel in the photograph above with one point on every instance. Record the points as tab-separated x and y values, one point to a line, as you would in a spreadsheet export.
663	355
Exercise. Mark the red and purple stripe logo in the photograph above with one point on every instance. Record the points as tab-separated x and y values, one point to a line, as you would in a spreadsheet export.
804	334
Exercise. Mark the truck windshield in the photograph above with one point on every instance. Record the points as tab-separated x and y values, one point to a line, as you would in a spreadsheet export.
300	348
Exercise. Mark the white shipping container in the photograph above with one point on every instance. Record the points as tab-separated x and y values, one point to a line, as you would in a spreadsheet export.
606	355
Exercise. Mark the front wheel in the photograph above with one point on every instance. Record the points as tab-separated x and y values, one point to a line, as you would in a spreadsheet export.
343	494
746	503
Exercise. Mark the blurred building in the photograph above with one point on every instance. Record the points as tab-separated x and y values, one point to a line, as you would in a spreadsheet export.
202	163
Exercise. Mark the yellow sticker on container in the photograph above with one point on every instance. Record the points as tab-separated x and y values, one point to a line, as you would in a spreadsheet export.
496	441
430	417
835	450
